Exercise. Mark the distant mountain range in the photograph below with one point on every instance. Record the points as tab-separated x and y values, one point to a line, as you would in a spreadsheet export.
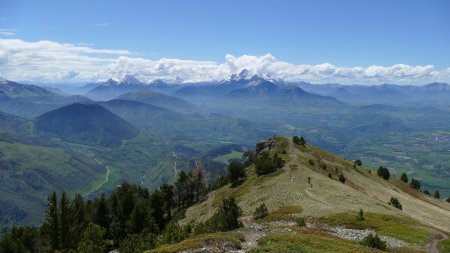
30	100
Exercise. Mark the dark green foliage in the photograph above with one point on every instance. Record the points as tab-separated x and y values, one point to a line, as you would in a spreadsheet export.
265	164
358	162
342	178
173	233
448	199
360	216
426	192
236	172
436	194
404	178
395	203
225	219
415	184
311	162
260	212
227	216
299	141
323	166
300	221
383	172
130	216
66	216
50	228
93	240
138	243
374	242
18	240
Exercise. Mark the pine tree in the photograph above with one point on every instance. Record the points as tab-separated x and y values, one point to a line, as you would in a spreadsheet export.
415	184
404	178
78	219
65	220
180	189
137	218
198	180
51	224
167	190
102	213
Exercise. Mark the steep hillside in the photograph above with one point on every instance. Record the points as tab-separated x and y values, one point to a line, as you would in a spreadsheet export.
82	123
328	205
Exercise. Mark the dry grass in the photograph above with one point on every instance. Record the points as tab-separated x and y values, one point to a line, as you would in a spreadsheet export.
326	196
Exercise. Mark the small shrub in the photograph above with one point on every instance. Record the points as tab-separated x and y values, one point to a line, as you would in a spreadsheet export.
374	242
260	212
311	162
426	192
329	175
299	141
358	162
300	221
342	178
448	199
437	195
323	166
395	203
360	216
383	172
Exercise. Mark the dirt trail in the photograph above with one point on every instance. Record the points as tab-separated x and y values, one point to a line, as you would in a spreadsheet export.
252	232
434	240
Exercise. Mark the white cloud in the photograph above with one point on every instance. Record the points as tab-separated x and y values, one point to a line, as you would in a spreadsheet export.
7	32
101	24
53	61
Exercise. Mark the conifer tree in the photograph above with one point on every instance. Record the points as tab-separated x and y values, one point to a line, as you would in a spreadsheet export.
65	220
51	224
404	178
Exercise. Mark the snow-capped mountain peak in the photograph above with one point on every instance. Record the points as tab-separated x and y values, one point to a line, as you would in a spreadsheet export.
126	80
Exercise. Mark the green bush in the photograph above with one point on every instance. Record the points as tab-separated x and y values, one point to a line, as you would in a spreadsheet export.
299	141
342	178
383	172
415	184
300	221
374	242
265	164
360	216
395	203
236	172
358	162
260	212
311	162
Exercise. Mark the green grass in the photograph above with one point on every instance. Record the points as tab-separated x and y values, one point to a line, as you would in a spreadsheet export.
444	246
307	243
227	157
399	227
284	213
200	241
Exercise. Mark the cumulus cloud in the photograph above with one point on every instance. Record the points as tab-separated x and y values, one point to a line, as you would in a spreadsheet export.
53	61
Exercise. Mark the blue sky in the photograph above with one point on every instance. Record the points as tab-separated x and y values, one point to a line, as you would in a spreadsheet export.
342	33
